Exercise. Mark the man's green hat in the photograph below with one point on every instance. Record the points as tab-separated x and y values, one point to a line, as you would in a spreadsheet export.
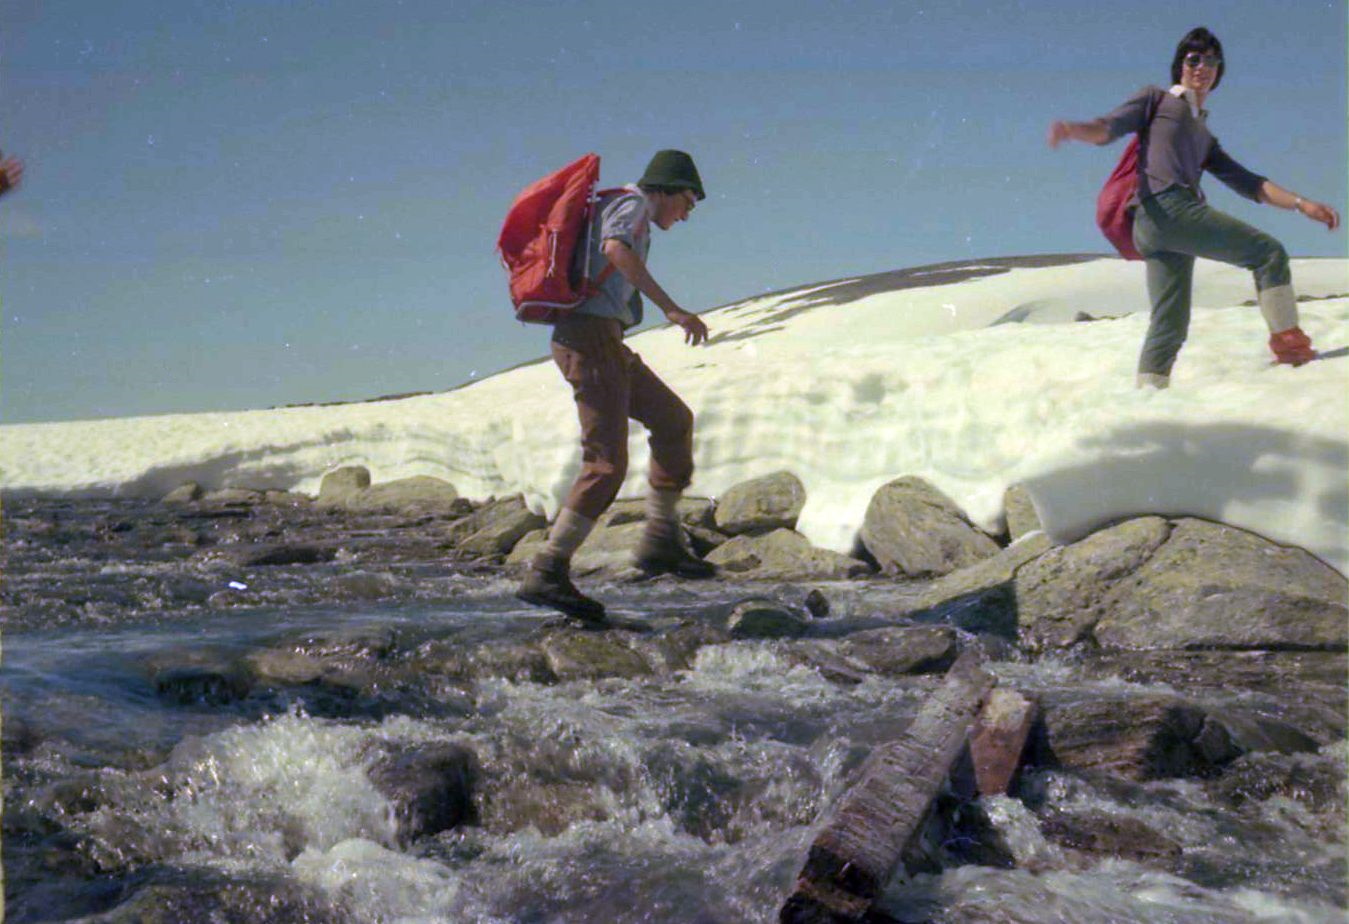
673	170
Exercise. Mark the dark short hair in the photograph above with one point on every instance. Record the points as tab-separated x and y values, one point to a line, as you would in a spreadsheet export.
1201	40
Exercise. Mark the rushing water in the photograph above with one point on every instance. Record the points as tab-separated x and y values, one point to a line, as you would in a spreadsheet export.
688	792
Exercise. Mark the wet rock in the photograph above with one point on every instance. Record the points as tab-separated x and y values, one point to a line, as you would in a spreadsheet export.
760	617
549	806
823	657
1213	586
367	585
591	656
1021	515
699	794
703	540
16	735
899	650
1137	738
676	648
1107	834
493	530
346	662
287	555
429	786
342	484
185	493
1314	780
912	529
174	897
761	505
816	604
782	555
1156	736
1062	594
981	597
518	662
1309	685
202	684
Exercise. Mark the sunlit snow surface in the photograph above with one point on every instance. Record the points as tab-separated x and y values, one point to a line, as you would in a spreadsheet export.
972	376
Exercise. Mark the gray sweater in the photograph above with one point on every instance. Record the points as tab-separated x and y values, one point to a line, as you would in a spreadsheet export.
1178	146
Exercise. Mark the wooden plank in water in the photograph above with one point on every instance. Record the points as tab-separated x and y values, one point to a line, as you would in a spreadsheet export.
869	828
999	738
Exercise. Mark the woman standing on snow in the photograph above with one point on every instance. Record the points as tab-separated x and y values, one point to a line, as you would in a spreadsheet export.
1172	222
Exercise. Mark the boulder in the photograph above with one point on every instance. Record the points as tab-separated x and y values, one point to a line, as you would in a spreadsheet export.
914	530
341	484
1149	584
1214	586
676	648
420	492
692	511
186	492
1137	738
1155	736
1062	594
606	551
782	555
981	597
761	504
233	497
494	530
1108	834
1021	515
760	617
429	786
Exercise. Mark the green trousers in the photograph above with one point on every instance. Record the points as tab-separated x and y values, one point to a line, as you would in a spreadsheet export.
1170	230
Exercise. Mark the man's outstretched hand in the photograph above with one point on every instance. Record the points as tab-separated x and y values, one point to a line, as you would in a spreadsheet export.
695	331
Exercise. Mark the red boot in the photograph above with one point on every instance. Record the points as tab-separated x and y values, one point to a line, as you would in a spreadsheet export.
1291	347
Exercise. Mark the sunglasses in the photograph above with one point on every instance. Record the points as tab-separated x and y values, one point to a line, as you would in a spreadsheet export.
1194	59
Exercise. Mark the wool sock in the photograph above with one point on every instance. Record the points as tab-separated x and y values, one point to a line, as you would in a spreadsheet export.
569	531
1279	306
661	509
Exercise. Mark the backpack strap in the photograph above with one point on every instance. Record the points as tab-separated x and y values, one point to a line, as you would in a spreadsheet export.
603	277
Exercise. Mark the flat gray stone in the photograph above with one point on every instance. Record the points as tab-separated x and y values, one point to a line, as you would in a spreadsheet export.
760	617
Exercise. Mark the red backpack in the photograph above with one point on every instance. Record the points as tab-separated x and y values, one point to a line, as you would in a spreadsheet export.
1114	213
544	226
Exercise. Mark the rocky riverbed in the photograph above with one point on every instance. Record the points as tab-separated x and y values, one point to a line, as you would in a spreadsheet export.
266	707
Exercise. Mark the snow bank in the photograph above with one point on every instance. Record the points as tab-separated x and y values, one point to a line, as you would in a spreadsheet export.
850	384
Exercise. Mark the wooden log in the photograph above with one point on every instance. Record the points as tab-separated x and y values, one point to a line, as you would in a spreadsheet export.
999	739
869	828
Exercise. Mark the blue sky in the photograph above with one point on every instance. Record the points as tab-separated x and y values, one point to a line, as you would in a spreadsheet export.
248	204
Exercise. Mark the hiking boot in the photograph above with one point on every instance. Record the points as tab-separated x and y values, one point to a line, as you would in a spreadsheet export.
661	551
548	583
1291	347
